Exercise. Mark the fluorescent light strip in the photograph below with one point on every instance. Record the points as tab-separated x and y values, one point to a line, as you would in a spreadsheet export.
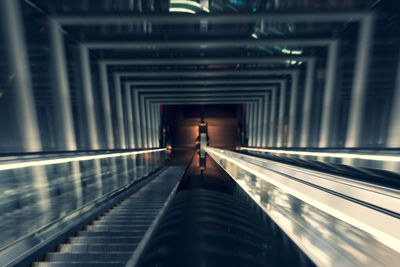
186	2
189	3
181	10
327	154
18	165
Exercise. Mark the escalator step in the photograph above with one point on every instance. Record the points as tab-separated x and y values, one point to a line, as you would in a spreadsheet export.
114	227
137	209
111	239
79	264
130	216
143	220
101	240
131	213
88	257
122	223
65	248
132	228
113	234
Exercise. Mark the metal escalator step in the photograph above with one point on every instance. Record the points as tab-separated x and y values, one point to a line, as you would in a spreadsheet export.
89	257
138	202
113	234
102	240
132	211
122	223
145	219
126	217
145	208
132	215
111	228
79	264
96	248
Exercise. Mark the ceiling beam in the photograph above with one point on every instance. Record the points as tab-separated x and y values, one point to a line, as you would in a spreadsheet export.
271	16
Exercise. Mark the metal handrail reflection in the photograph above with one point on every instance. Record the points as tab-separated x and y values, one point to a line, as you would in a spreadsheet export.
332	229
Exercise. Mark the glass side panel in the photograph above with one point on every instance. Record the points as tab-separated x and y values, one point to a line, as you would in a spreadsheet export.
32	197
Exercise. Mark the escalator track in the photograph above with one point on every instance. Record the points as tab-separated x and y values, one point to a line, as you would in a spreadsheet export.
112	237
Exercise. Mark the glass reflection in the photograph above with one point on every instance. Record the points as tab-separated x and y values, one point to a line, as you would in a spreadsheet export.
326	239
34	196
389	161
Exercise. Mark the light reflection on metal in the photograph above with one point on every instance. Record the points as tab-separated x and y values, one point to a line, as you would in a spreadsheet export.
41	184
120	112
143	120
265	119
149	126
175	6
181	10
185	2
156	130
247	123
281	119
328	106
77	177
307	104
98	174
293	109
88	98
259	128
138	124
255	126
153	124
61	88
374	225
16	50
17	165
106	107
360	82
328	154
272	123
394	124
129	116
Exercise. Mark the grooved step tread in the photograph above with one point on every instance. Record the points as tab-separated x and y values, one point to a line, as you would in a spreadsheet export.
89	256
112	234
80	264
112	238
82	248
97	240
113	228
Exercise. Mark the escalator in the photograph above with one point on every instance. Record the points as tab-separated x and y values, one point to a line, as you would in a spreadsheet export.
112	237
211	221
194	216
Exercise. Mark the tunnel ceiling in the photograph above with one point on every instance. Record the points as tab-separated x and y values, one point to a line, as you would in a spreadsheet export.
194	30
305	56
